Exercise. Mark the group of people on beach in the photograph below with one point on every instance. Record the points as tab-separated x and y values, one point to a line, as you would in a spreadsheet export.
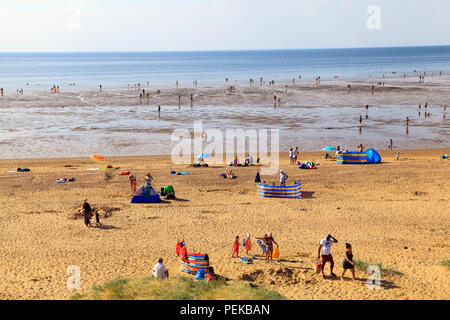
324	255
266	243
133	181
293	155
248	161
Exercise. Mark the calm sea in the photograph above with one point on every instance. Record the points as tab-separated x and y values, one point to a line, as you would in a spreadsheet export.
118	69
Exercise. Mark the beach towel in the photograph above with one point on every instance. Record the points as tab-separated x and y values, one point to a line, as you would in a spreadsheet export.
178	173
262	245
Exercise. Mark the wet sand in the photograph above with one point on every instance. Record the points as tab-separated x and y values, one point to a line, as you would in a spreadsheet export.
116	122
396	91
394	213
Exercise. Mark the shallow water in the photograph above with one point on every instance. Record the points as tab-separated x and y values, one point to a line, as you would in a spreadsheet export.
141	130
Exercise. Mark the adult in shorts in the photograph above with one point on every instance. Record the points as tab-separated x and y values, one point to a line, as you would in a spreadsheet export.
324	253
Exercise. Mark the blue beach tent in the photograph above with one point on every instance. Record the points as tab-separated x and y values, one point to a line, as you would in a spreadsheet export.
146	194
373	156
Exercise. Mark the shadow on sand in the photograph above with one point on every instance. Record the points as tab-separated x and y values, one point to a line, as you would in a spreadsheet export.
308	195
105	227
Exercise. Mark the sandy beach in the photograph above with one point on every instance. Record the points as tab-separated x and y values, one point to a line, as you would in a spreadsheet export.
394	213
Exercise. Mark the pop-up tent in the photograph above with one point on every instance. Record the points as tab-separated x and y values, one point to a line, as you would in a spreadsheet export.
370	156
146	194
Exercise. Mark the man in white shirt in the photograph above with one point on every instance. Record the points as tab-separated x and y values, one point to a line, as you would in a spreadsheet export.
325	253
159	270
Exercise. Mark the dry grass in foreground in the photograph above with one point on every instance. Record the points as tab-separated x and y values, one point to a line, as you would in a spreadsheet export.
177	288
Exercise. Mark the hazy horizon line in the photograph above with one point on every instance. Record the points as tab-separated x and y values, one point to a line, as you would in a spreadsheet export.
231	50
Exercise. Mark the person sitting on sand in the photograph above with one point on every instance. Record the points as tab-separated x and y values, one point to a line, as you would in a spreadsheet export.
236	162
229	174
159	270
86	211
133	182
168	191
249	160
324	253
236	247
347	263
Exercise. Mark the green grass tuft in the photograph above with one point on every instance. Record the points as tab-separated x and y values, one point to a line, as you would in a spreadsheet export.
363	265
445	264
177	288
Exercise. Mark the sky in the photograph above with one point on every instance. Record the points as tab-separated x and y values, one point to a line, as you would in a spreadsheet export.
178	25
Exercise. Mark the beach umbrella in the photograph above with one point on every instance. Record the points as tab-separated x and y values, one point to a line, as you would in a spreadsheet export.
329	148
98	158
203	155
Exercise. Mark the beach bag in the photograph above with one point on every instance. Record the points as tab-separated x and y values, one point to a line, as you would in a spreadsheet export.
318	266
211	277
276	253
200	275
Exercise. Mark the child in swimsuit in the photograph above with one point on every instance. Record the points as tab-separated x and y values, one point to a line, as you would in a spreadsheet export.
236	247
